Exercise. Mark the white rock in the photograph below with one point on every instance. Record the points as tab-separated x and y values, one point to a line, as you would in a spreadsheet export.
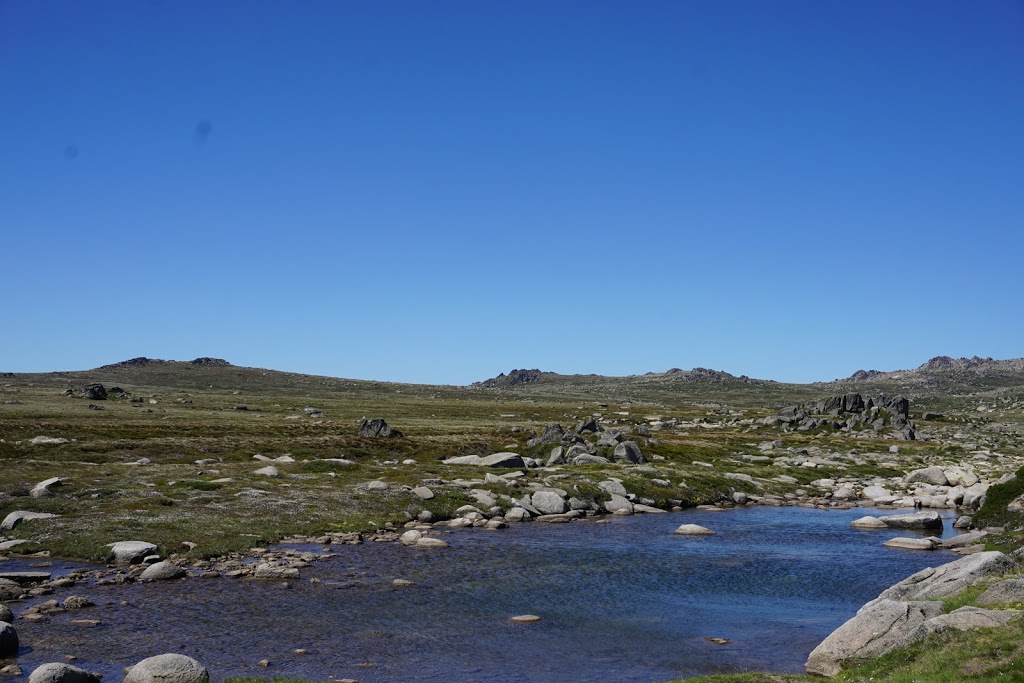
693	530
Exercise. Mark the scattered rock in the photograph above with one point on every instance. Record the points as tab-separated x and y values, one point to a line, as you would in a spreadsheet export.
268	471
77	602
428	542
377	427
911	543
58	672
274	572
6	614
618	505
693	530
629	451
130	552
95	392
47	441
502	460
168	668
423	493
928	475
18	516
162	571
868	523
917	520
10	590
42	489
549	503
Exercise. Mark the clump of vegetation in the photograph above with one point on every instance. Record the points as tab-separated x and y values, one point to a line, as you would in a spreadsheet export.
994	512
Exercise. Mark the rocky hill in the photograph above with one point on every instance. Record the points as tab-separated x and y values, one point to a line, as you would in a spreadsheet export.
948	372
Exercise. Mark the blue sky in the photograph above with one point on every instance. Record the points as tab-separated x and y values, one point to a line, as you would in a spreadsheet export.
437	192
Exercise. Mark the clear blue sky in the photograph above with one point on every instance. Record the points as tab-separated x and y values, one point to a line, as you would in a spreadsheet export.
440	191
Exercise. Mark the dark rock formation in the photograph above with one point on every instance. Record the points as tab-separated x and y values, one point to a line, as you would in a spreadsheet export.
377	427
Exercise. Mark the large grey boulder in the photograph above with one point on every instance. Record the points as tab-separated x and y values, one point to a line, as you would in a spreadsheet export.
8	640
629	451
549	503
95	392
553	433
518	514
18	516
557	457
618	505
917	520
6	614
911	543
168	668
162	571
130	552
1010	590
502	460
877	628
613	487
693	530
57	672
868	522
377	427
872	492
963	540
974	496
938	582
42	489
928	475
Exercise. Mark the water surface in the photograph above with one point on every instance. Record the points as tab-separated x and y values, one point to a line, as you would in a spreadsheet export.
620	601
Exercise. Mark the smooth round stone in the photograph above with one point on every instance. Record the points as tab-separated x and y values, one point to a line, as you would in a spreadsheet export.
868	522
693	530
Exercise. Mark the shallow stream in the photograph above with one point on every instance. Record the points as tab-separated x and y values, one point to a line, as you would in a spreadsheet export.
624	600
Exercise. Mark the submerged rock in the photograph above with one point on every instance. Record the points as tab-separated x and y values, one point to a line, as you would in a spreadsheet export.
693	530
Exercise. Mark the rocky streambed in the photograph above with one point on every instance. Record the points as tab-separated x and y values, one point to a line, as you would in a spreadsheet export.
619	598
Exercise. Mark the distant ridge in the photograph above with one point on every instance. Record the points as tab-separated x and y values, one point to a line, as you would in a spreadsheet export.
517	378
142	362
941	367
